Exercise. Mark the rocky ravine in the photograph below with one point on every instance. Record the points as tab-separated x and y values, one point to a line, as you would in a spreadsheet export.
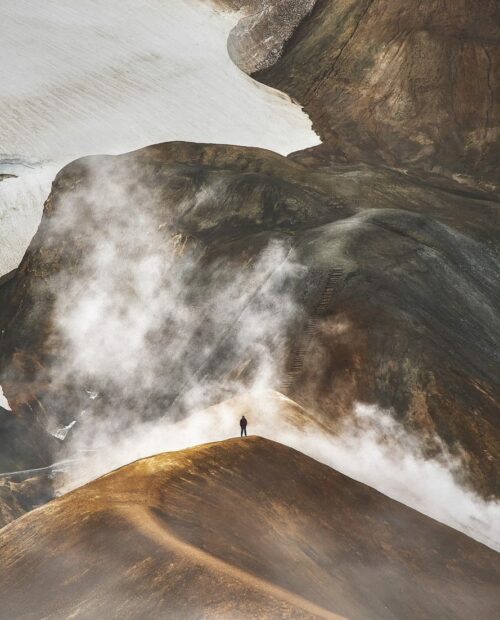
241	529
400	291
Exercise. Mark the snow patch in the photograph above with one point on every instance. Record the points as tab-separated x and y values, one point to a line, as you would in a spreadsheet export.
4	403
62	432
21	202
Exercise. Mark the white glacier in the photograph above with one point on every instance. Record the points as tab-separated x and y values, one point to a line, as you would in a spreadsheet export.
88	77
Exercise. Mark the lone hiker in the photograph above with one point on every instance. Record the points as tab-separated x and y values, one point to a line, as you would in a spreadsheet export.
243	425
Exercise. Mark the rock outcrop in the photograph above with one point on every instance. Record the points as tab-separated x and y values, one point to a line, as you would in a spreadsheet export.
244	528
263	30
7	176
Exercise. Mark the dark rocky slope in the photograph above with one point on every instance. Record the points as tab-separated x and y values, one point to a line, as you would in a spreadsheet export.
24	441
241	529
20	496
25	444
413	325
410	319
409	84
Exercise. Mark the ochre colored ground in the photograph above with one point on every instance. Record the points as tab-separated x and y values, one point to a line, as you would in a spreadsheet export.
239	529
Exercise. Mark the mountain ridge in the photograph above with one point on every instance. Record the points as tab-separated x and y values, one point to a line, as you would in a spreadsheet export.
306	534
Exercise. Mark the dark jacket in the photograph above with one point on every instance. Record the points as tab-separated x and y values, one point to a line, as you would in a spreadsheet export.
243	422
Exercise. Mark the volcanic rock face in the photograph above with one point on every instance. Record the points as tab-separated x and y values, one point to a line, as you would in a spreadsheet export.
407	84
241	529
24	445
403	308
179	190
258	39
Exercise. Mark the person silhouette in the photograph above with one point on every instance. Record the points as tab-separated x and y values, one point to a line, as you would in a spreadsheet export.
243	426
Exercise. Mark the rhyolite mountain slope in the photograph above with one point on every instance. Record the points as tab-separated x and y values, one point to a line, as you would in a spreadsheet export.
239	529
408	84
411	321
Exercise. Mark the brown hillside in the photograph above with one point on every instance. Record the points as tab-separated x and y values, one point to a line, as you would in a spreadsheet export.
239	529
411	84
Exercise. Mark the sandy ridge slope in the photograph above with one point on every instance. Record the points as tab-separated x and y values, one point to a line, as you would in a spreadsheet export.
151	526
239	529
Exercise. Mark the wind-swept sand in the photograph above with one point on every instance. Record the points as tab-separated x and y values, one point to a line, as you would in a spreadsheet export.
239	529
